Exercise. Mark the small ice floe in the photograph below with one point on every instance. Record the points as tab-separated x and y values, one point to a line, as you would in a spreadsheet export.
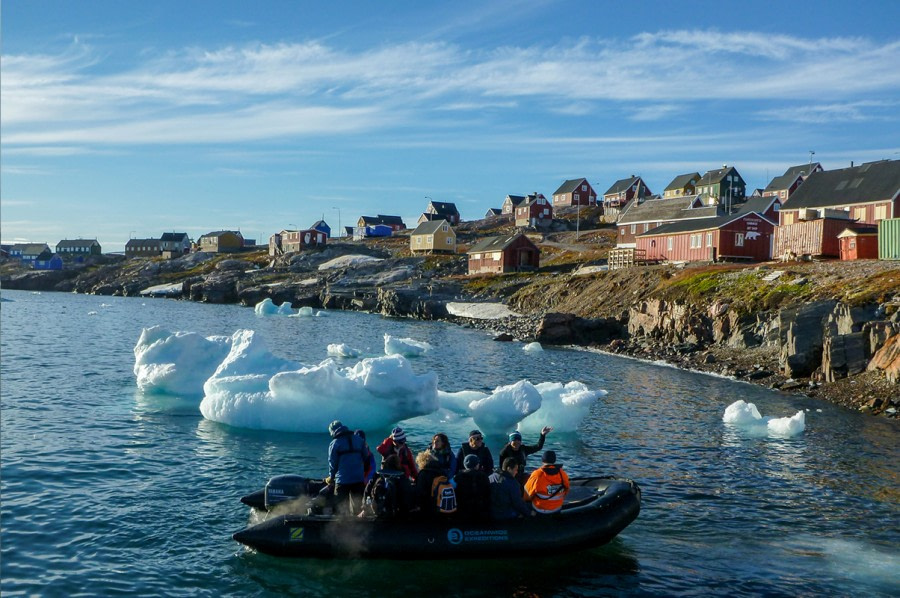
407	347
308	312
343	350
92	313
267	307
747	417
533	348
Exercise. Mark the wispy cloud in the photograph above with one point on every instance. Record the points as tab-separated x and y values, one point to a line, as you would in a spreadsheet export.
830	113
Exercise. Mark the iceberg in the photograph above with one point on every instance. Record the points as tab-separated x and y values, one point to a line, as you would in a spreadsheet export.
747	417
533	348
563	407
407	347
343	350
267	307
506	406
177	363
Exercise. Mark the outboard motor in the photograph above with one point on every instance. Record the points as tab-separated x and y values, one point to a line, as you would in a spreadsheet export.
284	488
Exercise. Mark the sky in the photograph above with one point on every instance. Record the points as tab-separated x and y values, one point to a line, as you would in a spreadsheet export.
125	120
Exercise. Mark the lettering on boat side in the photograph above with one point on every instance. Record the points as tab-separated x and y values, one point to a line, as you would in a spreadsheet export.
296	534
457	536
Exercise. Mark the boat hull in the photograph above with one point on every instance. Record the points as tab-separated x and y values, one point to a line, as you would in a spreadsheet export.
599	512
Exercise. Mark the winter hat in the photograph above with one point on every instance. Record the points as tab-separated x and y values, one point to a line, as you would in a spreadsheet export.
398	434
360	433
549	457
515	436
471	461
475	433
336	427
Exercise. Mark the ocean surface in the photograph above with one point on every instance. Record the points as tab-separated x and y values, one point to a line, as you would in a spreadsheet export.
105	491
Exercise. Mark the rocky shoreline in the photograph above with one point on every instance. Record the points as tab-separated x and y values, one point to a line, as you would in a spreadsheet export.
825	349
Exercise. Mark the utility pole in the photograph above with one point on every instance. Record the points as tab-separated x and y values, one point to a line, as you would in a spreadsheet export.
811	154
340	228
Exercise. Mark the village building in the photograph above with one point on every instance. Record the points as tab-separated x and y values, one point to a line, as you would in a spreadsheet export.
574	192
623	191
813	237
175	244
221	241
143	248
48	261
745	235
440	210
889	239
783	186
293	241
535	212
512	201
724	186
28	253
435	236
493	212
681	185
507	253
859	242
395	223
375	230
321	226
639	218
868	193
78	247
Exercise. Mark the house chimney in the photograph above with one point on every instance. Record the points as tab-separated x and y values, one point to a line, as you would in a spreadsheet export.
851	163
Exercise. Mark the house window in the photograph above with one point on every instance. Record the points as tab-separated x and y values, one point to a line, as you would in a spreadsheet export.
418	240
584	187
788	218
696	241
880	212
669	243
497	255
622	231
633	226
449	241
859	213
430	239
738	239
852	243
444	227
646	226
576	196
709	239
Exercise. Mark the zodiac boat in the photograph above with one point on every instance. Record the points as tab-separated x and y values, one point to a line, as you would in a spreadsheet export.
595	511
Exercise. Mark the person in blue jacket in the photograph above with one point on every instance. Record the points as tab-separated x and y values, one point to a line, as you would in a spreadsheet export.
346	466
506	494
441	450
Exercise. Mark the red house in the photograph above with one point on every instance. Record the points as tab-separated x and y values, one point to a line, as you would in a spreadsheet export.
859	243
535	211
574	192
495	255
745	236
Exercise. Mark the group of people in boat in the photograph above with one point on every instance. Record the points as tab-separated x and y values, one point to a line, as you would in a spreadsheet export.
438	482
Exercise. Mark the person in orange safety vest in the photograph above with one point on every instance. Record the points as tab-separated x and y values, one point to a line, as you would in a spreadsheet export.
548	485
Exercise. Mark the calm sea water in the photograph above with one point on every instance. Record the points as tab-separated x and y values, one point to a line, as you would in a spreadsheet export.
105	491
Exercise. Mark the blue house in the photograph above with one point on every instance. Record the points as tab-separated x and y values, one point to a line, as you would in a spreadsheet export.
379	230
48	261
322	226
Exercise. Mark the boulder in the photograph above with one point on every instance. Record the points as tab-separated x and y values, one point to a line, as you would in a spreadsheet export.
801	337
844	355
562	328
887	359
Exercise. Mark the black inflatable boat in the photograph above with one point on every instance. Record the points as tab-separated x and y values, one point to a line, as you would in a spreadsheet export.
595	511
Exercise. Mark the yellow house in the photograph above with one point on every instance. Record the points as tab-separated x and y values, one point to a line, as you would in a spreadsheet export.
221	241
435	236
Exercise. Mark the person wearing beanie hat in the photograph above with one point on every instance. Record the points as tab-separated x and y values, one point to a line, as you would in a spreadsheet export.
548	485
514	449
346	465
395	444
473	492
476	446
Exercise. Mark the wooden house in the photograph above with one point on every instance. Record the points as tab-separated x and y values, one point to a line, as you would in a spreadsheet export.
889	239
623	191
493	212
322	226
29	252
859	242
177	243
639	218
376	230
48	261
507	253
394	222
745	235
535	212
293	241
441	210
143	248
574	192
816	237
221	241
682	185
724	186
435	236
867	193
78	247
784	186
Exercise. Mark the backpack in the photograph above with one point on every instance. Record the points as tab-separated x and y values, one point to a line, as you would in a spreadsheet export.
444	495
384	496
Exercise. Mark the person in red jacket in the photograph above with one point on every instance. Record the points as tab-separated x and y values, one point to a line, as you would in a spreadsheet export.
395	444
548	485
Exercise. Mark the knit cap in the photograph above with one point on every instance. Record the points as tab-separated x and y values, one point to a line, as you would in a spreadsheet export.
398	434
515	436
549	457
471	461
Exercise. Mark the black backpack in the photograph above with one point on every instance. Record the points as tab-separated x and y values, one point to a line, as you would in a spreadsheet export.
384	496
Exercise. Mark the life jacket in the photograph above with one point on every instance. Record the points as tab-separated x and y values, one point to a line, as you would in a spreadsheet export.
444	495
547	488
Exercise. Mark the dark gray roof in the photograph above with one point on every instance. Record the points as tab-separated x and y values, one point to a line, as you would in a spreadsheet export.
444	208
802	169
390	219
32	248
77	243
758	204
659	210
177	237
430	227
873	181
319	223
570	186
515	199
681	180
691	226
143	243
493	212
219	233
621	185
714	176
494	243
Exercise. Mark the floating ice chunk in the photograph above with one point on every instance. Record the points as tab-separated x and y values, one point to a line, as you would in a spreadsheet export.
506	406
747	417
533	348
459	401
92	313
267	307
305	312
407	347
177	363
563	407
342	350
374	393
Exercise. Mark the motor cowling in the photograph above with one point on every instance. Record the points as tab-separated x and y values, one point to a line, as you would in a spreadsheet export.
284	488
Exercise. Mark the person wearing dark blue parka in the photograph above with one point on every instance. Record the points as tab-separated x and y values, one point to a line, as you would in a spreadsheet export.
346	466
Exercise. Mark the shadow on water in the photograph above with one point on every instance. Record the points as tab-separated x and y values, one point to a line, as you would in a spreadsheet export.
609	570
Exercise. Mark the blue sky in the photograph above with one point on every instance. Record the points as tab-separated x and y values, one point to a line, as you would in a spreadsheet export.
129	119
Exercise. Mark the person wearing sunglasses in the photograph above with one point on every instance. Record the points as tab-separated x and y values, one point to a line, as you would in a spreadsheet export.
476	446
